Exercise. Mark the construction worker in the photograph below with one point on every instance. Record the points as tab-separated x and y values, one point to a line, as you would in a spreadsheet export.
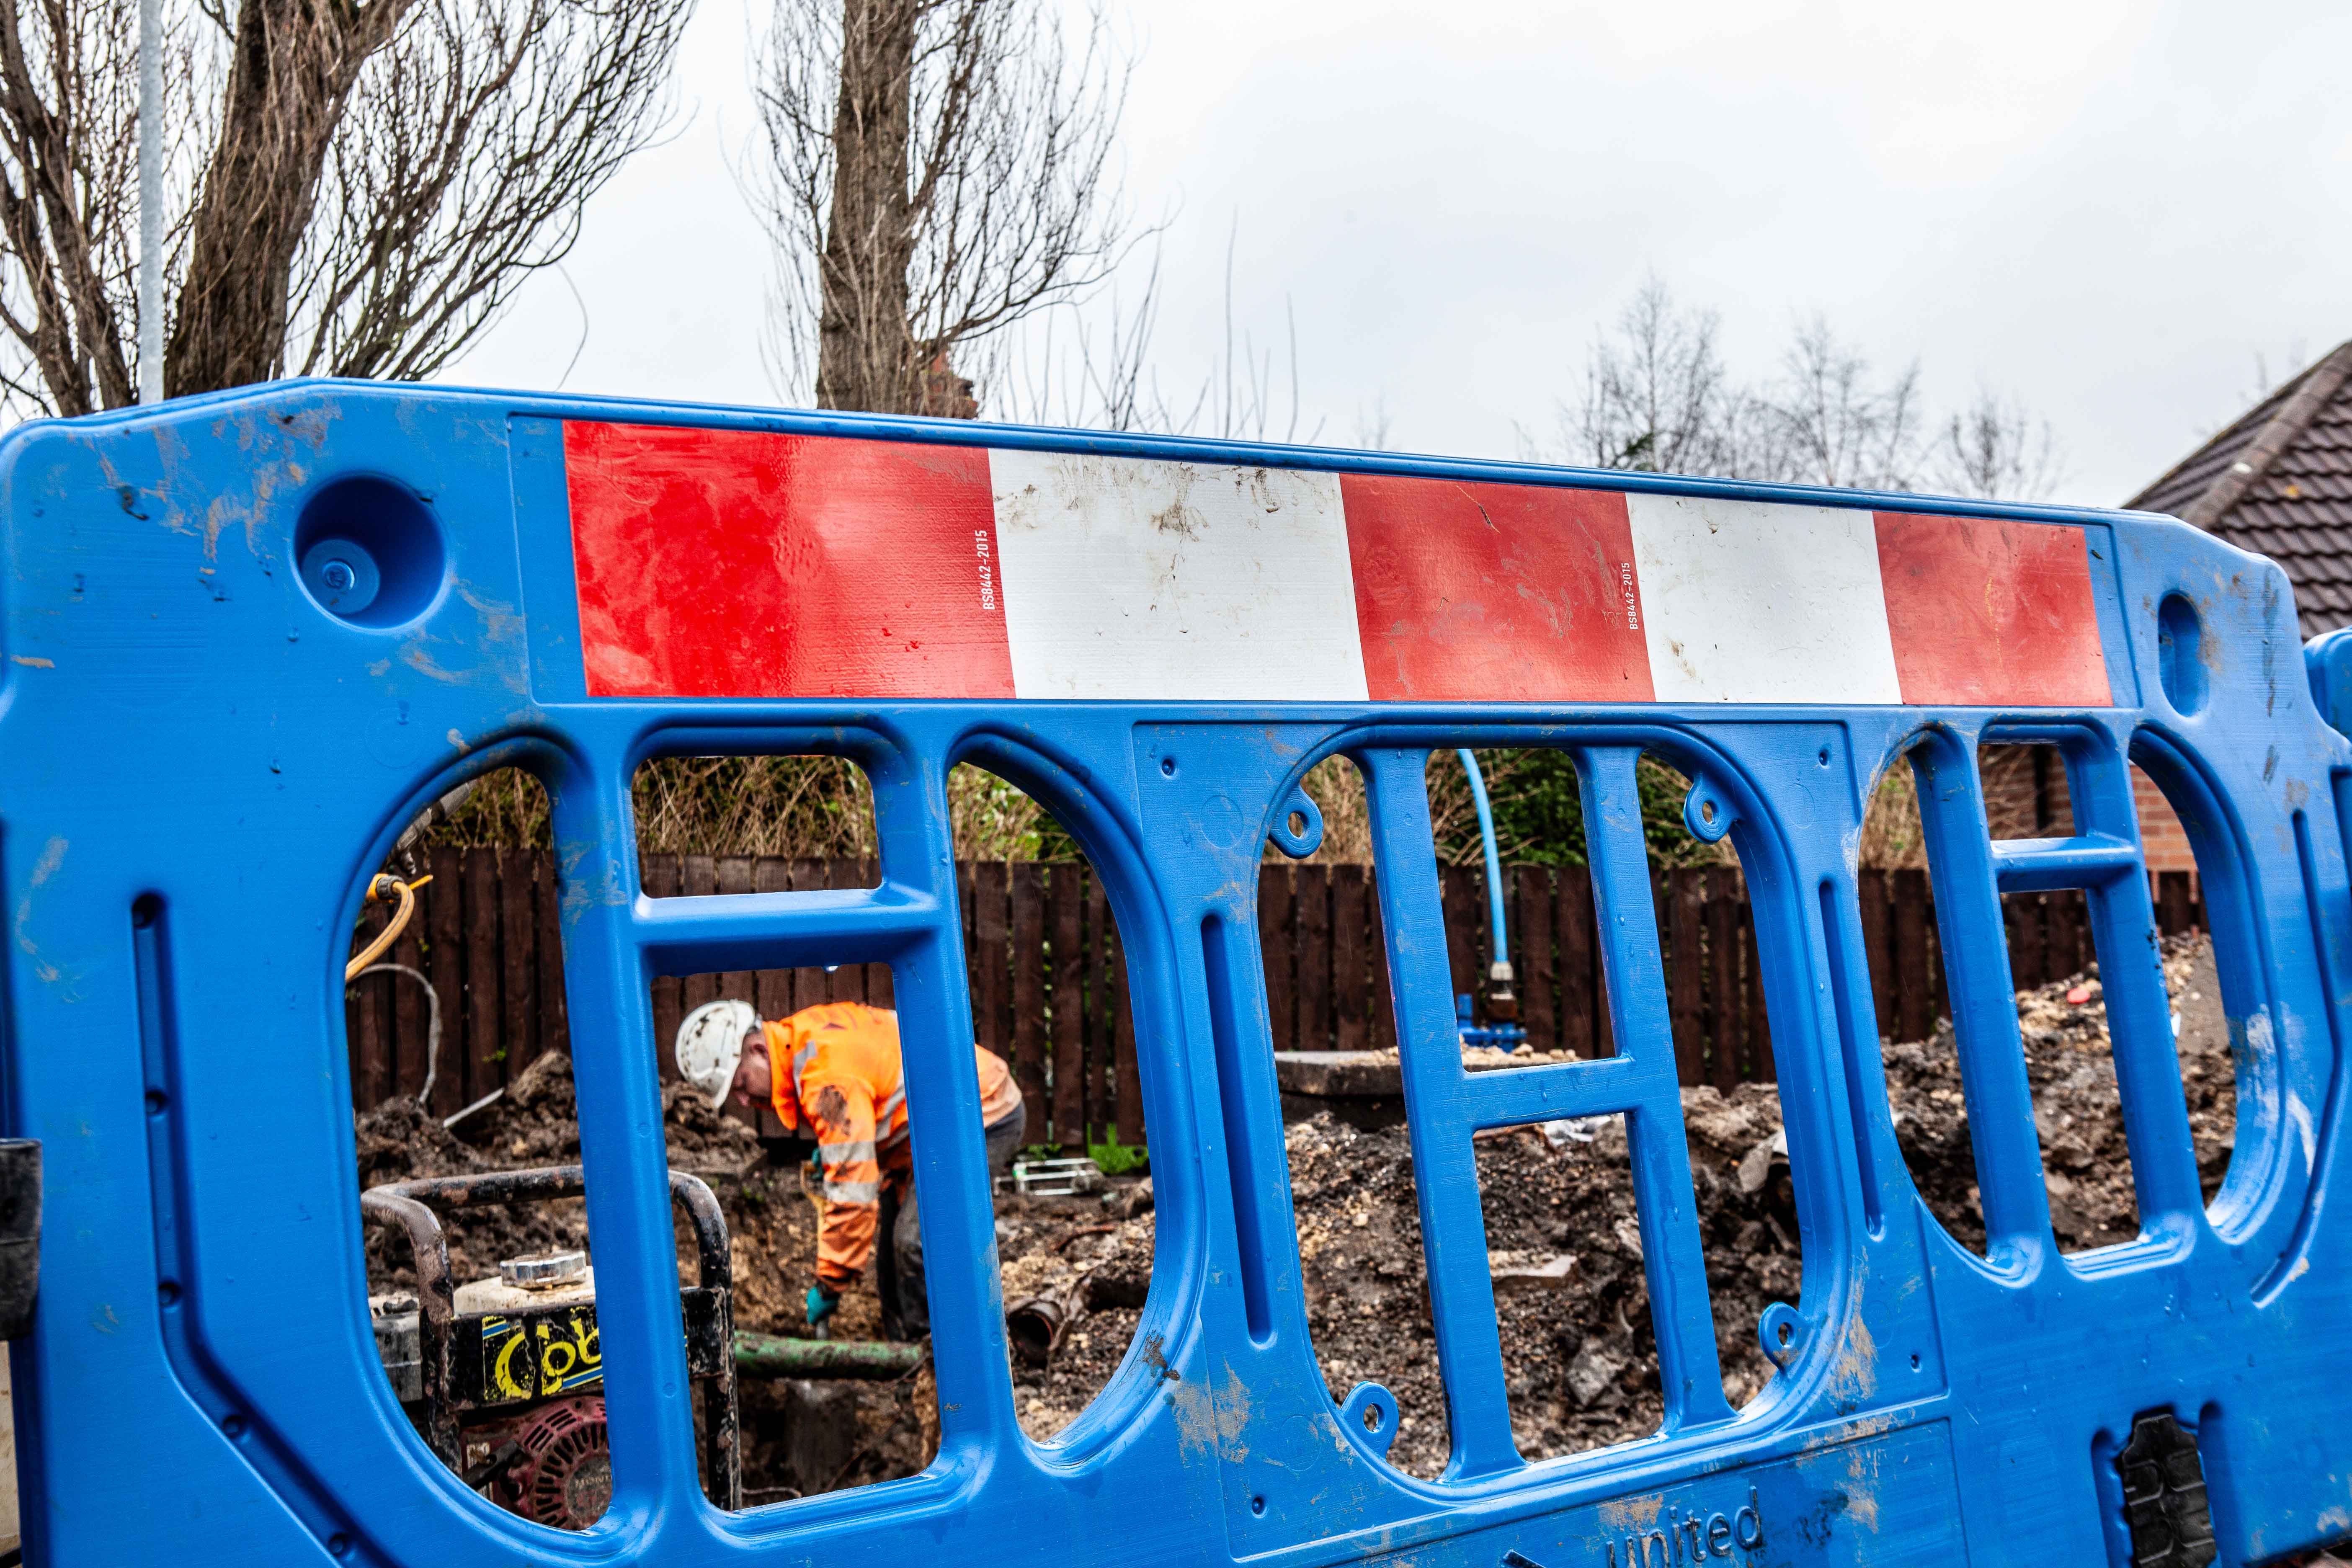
836	1069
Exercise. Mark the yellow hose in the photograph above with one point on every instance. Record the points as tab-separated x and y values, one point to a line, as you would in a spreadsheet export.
383	890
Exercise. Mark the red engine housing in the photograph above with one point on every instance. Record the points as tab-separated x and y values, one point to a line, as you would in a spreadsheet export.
563	1476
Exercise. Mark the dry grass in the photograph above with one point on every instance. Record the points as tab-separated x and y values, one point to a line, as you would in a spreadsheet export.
1890	836
823	807
1893	839
820	807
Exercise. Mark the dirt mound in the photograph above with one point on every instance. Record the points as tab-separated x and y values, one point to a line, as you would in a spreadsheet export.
536	1122
2070	1065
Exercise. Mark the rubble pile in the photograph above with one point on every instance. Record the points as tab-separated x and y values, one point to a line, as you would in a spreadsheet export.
2075	1107
1563	1242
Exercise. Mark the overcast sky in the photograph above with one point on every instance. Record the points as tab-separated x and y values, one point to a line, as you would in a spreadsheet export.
2107	211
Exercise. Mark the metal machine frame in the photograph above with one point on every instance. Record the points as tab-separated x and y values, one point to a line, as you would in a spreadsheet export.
453	1344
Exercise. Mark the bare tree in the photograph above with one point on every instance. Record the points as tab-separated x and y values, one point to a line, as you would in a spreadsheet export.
1090	364
355	189
1656	397
1084	363
933	170
1996	449
1833	424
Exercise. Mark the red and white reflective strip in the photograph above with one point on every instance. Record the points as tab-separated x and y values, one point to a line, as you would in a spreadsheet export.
728	563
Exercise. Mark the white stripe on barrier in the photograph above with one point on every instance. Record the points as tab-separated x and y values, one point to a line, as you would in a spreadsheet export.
1748	602
1133	580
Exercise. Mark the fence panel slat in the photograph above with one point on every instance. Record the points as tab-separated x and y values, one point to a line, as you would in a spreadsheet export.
1759	1021
847	982
881	986
1915	994
1939	1005
1531	957
363	1018
1312	892
735	877
2069	953
1379	1021
990	1008
1102	1014
547	909
482	1019
697	877
446	912
1463	901
1276	947
733	874
411	1012
1102	1109
1349	994
810	987
517	955
1583	1019
1724	1002
1029	988
1878	946
1684	962
967	916
2021	931
1128	1088
772	988
2172	901
1069	1006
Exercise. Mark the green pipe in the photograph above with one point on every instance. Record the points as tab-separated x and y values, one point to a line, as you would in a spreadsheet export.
870	1361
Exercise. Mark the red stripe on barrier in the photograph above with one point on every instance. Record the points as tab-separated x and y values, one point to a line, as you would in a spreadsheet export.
1985	612
1495	593
743	564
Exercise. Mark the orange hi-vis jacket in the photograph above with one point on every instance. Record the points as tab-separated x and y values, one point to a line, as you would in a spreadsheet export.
839	1064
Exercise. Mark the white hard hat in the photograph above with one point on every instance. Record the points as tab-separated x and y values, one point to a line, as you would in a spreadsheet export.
710	1045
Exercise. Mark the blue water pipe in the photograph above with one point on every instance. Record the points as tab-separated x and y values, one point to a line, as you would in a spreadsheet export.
1494	857
1511	1036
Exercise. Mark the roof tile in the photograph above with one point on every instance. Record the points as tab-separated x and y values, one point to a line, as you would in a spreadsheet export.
2278	481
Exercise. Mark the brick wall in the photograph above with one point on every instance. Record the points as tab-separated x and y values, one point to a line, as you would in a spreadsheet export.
2160	832
2025	795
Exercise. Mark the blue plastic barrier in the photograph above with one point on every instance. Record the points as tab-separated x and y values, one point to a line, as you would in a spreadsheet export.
248	636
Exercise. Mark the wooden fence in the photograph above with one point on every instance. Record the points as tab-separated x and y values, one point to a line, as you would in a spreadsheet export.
1049	984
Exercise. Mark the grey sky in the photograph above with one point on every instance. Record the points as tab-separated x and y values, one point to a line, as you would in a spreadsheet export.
2106	210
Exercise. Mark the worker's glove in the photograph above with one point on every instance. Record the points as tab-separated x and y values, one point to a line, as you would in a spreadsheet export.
821	1303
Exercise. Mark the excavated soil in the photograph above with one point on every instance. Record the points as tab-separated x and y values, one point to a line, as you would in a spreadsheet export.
1578	1352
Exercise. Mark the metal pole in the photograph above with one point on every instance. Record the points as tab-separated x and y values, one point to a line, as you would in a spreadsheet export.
150	201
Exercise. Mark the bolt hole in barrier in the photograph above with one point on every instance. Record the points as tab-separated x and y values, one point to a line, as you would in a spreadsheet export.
2180	654
370	552
1371	1409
